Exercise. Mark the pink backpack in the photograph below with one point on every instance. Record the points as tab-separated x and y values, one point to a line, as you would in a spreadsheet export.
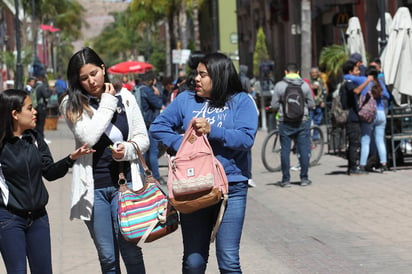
196	178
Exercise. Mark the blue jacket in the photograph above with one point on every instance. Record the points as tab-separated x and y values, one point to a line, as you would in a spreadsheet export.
233	128
381	103
150	103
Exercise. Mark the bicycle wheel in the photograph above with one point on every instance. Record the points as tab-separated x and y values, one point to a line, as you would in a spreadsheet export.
270	153
316	145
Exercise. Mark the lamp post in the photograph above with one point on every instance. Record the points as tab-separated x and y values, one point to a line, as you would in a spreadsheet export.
19	68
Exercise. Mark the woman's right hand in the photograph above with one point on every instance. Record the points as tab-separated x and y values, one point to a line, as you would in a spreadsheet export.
109	88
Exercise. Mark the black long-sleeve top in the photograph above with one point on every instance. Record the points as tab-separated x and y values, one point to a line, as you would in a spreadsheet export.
24	161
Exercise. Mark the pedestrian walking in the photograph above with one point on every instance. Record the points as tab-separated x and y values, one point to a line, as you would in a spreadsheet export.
24	159
106	120
227	114
292	99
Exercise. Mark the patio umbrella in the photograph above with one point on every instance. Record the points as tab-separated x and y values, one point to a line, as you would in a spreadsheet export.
355	38
130	67
397	56
388	28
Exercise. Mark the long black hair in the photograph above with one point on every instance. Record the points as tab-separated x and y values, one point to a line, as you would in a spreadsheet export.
225	79
10	99
78	99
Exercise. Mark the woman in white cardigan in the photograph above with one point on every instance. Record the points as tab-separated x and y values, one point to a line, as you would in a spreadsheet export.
106	120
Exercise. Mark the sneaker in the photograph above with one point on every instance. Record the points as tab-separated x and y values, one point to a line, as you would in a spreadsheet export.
284	184
251	183
305	182
358	171
47	141
295	168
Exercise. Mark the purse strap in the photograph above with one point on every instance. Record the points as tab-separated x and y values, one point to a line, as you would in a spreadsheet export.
147	172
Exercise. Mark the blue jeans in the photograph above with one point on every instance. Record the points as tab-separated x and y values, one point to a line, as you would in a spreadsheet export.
197	228
151	156
317	117
21	238
104	230
379	126
300	134
378	130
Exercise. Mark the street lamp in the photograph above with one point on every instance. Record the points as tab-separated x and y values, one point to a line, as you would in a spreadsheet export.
19	68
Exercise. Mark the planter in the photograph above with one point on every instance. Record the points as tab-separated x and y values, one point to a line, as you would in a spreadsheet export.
51	123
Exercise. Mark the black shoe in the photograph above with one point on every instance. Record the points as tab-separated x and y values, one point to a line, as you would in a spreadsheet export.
357	171
305	182
383	169
284	184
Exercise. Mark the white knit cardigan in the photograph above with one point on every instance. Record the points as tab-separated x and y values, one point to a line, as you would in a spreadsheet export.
89	129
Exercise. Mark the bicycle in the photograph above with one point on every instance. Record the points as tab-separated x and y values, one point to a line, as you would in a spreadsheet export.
270	153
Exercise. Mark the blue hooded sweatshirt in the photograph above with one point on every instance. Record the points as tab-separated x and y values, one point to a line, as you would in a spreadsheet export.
233	128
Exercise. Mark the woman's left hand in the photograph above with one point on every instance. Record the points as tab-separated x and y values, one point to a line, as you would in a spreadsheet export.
201	126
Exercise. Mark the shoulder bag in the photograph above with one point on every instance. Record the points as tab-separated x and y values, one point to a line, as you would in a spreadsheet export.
144	215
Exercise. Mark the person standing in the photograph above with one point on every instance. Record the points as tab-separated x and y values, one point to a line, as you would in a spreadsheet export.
298	129
60	86
24	159
106	120
350	92
357	59
42	93
31	82
319	90
151	102
377	127
227	114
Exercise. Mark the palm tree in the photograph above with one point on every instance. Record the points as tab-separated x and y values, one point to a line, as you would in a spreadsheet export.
332	59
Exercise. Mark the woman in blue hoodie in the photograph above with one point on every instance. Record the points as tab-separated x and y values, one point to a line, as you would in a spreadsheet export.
228	116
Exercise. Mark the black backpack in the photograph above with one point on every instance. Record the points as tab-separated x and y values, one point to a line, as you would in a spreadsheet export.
293	102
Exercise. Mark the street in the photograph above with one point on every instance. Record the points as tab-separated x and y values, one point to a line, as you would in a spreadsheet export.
338	224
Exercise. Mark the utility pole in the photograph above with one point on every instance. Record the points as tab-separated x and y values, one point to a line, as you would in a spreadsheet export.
306	45
19	68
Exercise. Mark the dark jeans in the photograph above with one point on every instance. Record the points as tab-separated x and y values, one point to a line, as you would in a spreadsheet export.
299	133
353	134
21	238
197	228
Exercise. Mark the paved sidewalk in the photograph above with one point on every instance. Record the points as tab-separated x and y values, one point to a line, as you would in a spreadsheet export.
339	224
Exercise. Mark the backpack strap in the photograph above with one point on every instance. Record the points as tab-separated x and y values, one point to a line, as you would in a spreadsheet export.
219	218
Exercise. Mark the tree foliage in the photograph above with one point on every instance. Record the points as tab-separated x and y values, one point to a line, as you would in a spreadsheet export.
261	52
332	58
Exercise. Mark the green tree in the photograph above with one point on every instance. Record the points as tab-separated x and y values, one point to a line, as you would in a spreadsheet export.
67	15
332	58
261	52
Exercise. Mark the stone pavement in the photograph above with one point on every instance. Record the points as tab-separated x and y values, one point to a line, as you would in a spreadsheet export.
339	224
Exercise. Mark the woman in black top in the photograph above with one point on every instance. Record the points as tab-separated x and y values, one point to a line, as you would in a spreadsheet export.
24	159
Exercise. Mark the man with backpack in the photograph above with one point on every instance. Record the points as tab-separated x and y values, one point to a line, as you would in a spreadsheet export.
292	99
